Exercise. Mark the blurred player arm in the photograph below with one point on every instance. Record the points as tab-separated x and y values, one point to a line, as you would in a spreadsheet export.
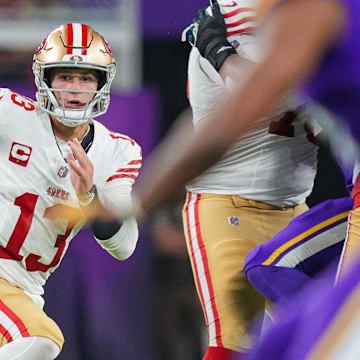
295	36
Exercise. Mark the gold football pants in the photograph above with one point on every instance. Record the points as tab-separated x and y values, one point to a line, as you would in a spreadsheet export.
220	230
21	317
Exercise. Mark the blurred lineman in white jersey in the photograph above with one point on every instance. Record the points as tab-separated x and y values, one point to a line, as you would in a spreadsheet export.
58	168
248	196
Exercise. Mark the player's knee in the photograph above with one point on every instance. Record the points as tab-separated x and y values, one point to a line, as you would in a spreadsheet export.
45	327
48	348
30	348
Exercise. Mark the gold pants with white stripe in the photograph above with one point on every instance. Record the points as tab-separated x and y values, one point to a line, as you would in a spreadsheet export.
21	317
220	230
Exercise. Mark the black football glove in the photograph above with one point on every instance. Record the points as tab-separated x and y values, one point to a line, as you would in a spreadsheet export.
211	37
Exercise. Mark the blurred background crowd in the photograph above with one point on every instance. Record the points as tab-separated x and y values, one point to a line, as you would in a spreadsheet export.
147	307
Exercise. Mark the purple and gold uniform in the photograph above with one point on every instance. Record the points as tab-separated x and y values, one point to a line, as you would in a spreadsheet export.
336	84
286	263
334	335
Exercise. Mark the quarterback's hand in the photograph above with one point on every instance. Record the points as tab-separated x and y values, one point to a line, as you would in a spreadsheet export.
211	37
81	168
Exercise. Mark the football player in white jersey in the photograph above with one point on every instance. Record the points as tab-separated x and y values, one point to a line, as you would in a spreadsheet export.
248	196
59	168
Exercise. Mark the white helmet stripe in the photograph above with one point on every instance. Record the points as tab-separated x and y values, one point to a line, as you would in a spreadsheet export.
77	38
77	30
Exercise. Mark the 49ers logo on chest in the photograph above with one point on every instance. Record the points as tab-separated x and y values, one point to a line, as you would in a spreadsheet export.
20	154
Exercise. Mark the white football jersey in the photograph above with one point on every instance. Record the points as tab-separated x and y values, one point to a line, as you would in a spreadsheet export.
36	194
275	162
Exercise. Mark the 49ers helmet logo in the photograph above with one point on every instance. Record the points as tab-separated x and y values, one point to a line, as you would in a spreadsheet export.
107	46
41	46
76	58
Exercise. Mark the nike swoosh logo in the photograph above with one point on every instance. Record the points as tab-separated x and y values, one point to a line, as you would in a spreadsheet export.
233	3
223	48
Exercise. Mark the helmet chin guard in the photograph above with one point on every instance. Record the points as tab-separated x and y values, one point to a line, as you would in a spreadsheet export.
75	46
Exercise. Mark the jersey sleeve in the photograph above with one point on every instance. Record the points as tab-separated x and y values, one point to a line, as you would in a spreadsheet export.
123	173
123	243
12	106
116	194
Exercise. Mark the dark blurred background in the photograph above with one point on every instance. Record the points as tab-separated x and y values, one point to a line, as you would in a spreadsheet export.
146	307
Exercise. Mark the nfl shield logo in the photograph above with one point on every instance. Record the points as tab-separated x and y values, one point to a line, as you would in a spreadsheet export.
63	171
233	221
235	44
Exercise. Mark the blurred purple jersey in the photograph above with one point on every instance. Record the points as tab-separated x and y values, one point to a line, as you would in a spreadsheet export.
285	264
336	84
325	325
